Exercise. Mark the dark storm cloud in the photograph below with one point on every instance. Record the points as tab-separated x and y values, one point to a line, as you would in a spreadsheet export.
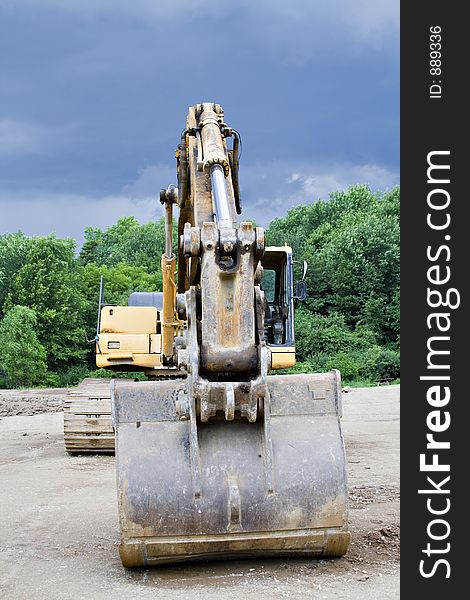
94	95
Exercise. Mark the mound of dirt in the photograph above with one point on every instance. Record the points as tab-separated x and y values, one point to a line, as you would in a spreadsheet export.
31	402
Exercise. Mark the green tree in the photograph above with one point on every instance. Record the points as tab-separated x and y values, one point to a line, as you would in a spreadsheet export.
49	283
22	356
351	243
319	334
356	264
351	317
126	242
13	252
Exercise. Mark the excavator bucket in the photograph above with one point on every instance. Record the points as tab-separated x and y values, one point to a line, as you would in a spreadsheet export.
223	489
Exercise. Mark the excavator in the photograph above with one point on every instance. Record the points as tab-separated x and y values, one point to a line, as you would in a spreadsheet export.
215	457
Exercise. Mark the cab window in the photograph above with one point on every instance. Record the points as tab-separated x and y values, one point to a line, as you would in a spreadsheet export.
268	284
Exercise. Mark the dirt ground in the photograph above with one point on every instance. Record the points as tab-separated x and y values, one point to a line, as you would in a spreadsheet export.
58	518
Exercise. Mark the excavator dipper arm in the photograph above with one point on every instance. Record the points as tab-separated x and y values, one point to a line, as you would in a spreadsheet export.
226	461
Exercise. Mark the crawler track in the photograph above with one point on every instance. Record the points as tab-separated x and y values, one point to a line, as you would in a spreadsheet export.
88	426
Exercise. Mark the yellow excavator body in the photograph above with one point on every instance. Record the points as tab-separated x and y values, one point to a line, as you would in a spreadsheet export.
216	457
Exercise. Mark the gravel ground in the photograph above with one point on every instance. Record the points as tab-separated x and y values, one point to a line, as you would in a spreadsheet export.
58	518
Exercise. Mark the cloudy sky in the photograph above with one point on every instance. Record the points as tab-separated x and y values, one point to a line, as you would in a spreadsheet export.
94	95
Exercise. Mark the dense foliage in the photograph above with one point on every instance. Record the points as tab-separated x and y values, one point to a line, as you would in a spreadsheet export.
351	318
22	356
61	289
350	321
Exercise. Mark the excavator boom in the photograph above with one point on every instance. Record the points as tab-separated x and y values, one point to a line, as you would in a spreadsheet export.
226	461
215	456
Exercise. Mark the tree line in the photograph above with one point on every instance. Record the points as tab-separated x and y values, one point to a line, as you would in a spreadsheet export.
350	320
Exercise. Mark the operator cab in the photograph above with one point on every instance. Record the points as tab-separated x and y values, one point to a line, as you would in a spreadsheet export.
278	287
